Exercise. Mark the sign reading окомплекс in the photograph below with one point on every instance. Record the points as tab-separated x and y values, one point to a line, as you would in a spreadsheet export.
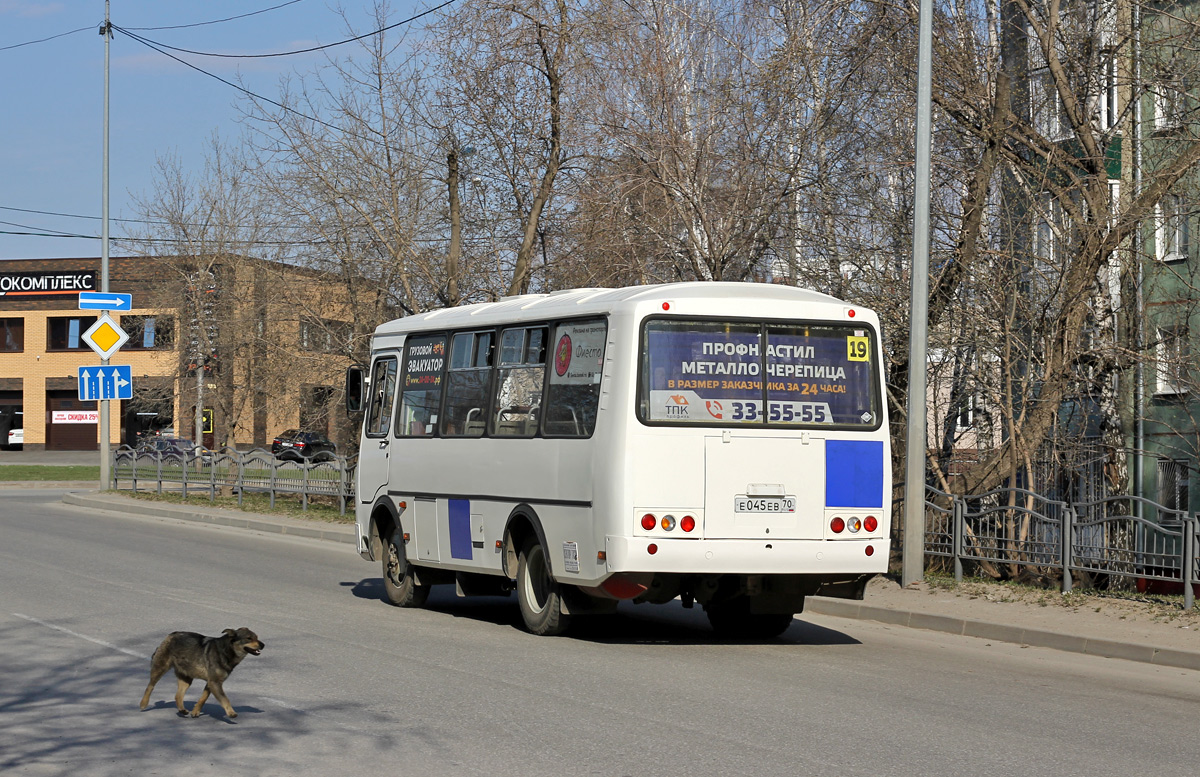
54	284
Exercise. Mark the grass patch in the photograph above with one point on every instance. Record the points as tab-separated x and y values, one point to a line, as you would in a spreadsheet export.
319	508
1160	606
36	472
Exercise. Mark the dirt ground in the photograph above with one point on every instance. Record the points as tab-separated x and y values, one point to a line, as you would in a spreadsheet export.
1143	619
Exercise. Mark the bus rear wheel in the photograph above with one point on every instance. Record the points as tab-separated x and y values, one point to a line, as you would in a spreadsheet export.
538	595
733	620
399	580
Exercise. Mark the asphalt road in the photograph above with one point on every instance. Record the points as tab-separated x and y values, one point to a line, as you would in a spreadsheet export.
348	685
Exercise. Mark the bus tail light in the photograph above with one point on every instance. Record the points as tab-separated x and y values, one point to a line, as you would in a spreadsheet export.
649	521
668	522
687	523
871	524
838	525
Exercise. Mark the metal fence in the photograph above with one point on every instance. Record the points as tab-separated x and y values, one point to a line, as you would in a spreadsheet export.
240	472
1121	540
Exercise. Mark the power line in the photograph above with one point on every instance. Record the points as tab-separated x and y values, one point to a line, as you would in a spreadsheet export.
218	21
309	50
227	82
43	40
173	27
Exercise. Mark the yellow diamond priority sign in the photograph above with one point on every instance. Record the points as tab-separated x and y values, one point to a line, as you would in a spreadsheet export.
105	337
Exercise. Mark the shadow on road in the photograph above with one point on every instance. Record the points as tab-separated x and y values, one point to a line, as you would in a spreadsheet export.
668	624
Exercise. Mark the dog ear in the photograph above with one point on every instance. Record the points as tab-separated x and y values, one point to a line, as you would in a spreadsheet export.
230	632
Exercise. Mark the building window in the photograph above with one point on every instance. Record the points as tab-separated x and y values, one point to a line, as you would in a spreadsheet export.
968	412
12	334
324	336
149	332
1171	233
1110	100
1173	484
314	409
64	334
1171	362
1169	92
1052	228
1049	116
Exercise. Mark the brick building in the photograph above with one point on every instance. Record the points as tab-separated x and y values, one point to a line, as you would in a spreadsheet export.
250	356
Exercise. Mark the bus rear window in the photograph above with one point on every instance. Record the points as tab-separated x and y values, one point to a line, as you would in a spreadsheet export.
726	373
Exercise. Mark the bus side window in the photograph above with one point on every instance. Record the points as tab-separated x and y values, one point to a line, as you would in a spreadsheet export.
383	391
576	366
424	358
519	382
467	381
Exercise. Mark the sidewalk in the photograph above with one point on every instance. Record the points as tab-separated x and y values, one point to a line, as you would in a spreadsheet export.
1110	627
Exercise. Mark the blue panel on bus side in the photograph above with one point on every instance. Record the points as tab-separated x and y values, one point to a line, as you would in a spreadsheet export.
460	528
854	473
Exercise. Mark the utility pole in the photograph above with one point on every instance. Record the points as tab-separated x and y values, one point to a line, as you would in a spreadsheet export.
105	463
913	559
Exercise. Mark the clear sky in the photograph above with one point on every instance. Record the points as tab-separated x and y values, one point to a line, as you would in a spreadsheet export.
52	97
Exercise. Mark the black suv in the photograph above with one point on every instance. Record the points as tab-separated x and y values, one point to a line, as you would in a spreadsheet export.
295	445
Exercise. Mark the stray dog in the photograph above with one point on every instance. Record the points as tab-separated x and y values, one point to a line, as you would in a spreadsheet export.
197	657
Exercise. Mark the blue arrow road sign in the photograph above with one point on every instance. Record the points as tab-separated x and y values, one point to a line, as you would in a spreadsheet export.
112	382
103	300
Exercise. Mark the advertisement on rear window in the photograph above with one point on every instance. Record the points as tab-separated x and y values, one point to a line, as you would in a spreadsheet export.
709	373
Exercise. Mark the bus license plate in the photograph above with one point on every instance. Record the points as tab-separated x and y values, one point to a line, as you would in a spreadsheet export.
764	504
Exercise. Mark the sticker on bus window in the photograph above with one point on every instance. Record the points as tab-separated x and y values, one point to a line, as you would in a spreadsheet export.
858	349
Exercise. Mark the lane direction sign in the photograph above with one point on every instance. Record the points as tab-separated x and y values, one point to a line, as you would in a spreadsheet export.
112	382
103	300
105	337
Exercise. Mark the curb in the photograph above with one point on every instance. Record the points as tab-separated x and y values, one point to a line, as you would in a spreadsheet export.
215	517
967	627
838	608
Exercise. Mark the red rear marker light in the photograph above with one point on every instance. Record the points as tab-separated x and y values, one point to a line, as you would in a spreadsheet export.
652	549
871	524
850	313
666	306
668	522
649	521
870	550
838	525
687	523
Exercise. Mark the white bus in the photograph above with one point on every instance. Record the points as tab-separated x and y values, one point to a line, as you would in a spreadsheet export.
720	443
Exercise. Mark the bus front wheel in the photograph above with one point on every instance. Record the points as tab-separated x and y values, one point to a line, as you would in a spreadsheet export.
538	594
399	580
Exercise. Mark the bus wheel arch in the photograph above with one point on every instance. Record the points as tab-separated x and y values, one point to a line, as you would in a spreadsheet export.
527	559
401	586
522	523
384	521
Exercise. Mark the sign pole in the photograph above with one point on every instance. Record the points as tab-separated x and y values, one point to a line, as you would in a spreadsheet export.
105	463
913	547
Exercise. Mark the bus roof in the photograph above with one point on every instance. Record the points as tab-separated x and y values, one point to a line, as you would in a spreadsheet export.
581	302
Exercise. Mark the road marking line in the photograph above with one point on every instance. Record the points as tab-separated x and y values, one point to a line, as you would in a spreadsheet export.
81	636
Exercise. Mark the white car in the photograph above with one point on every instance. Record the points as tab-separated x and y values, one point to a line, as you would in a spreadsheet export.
16	437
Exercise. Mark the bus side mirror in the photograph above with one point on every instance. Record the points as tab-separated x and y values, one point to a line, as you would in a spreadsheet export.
355	388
